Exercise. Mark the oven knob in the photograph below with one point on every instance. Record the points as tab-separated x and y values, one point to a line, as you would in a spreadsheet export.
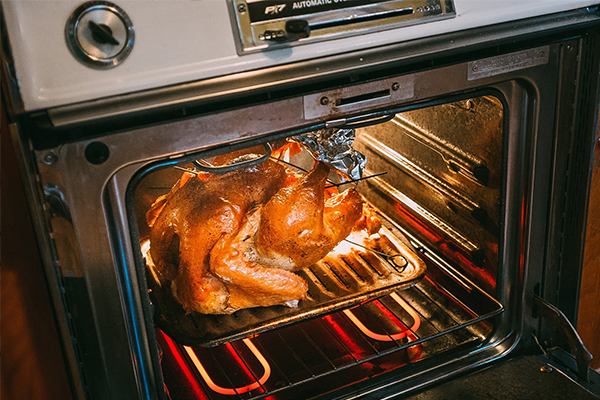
100	34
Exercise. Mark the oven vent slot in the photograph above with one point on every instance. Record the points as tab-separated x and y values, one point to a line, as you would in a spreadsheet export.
362	97
359	97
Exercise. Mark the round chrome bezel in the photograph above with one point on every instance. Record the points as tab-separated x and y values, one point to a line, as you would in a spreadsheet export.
80	53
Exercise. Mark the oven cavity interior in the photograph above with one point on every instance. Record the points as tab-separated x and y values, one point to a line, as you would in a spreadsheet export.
282	266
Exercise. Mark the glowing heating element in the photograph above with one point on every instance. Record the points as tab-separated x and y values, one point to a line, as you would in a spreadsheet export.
388	338
238	390
267	368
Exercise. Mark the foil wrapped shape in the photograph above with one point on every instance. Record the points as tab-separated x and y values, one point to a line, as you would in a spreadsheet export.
333	146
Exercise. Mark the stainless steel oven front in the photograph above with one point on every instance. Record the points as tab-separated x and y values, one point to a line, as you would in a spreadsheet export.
477	147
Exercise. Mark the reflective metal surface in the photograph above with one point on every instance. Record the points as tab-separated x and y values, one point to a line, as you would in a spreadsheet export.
112	266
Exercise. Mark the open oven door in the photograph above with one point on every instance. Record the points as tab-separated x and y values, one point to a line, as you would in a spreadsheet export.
524	377
552	374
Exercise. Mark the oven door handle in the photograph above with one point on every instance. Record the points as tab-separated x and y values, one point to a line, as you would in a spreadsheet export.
206	167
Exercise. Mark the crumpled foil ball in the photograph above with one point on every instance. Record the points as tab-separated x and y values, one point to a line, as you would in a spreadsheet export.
334	147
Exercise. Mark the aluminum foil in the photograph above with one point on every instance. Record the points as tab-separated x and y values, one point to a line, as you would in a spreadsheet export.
333	146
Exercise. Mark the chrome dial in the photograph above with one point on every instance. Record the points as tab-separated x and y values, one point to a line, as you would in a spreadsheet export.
100	34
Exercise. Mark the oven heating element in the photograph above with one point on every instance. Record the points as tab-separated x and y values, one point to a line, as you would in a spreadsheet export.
423	320
404	332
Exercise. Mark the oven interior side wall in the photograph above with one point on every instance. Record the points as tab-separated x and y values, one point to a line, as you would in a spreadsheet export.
446	160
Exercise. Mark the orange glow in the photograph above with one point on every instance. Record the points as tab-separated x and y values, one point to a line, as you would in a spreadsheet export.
417	224
356	350
396	336
331	191
449	296
287	150
523	238
238	390
345	247
448	248
183	365
241	362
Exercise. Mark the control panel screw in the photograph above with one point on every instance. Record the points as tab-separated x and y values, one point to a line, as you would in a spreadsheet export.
474	68
241	8
395	86
324	101
50	158
569	47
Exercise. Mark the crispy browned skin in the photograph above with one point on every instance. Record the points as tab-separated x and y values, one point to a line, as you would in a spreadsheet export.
369	221
194	217
298	227
158	205
250	284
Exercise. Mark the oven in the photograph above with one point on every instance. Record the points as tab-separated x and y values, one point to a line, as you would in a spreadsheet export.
166	146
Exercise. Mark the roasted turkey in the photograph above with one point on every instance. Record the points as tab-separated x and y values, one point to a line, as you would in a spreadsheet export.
227	242
298	227
251	284
194	217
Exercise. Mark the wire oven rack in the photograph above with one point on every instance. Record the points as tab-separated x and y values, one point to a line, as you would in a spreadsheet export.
441	312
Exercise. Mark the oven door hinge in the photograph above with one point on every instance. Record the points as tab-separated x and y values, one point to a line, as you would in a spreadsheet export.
560	322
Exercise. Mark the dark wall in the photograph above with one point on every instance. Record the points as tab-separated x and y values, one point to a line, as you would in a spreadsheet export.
33	367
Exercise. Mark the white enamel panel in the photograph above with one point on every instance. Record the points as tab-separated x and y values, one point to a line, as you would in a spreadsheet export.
179	41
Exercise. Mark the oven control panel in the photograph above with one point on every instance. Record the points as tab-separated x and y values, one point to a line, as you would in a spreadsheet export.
95	55
271	24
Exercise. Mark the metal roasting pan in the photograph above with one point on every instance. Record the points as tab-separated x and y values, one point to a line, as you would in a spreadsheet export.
340	280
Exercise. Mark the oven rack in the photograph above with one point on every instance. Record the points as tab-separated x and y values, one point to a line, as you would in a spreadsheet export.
440	313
